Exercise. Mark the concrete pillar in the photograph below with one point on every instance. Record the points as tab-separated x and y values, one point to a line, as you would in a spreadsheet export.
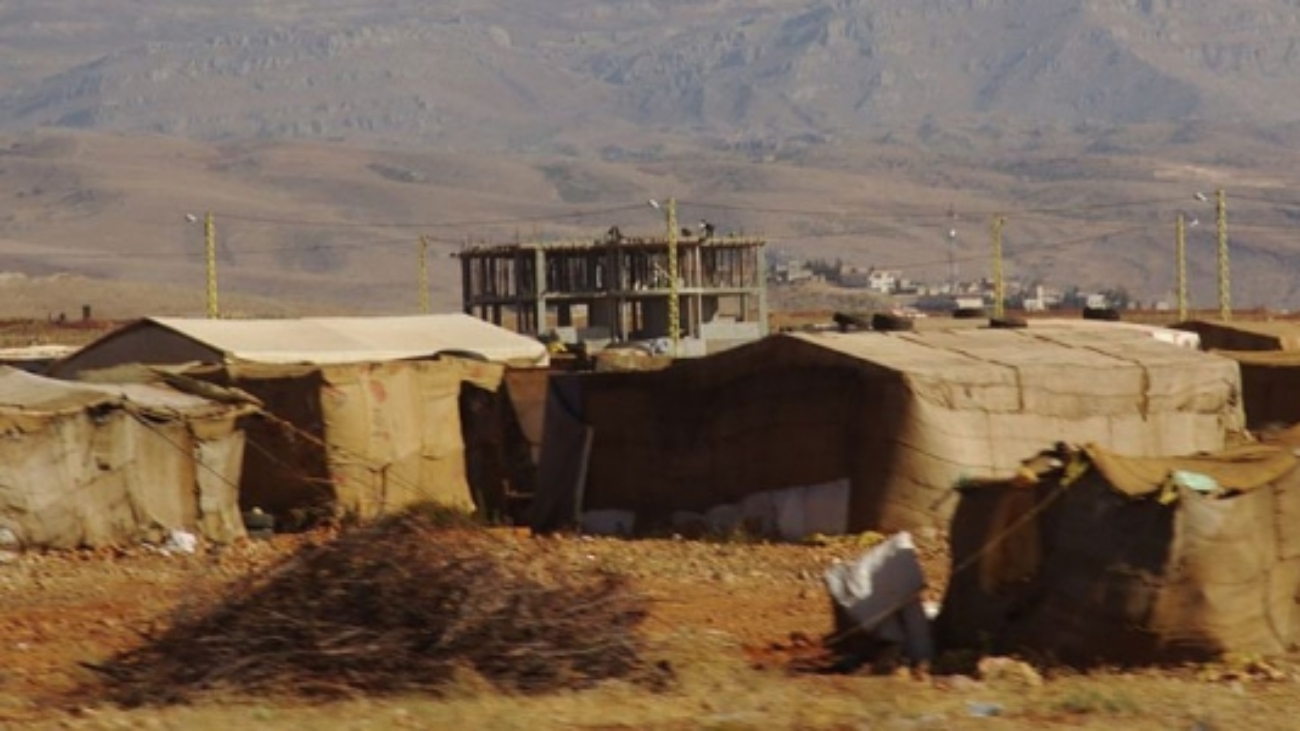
539	288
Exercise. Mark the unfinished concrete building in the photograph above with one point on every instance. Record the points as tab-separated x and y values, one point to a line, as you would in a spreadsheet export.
618	289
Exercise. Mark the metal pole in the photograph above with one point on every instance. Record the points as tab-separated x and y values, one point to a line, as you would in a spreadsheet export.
1225	284
952	260
674	319
210	240
1180	255
424	275
999	285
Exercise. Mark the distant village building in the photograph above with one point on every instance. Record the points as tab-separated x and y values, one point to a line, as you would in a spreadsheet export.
1042	299
793	272
882	281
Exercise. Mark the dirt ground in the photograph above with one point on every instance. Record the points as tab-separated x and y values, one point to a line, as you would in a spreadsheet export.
734	619
737	620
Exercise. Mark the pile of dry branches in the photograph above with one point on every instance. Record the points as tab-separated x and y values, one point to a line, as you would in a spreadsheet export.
404	604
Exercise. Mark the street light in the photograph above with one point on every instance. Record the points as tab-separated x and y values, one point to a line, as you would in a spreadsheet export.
1180	248
952	261
210	243
1221	226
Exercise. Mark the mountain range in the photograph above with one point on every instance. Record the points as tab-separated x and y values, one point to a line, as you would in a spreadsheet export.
865	121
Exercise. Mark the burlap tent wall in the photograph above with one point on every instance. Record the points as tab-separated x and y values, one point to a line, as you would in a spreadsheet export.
1102	569
496	424
86	465
1270	386
903	416
355	439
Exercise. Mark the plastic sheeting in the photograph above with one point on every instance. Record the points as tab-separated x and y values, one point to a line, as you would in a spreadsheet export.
310	340
880	594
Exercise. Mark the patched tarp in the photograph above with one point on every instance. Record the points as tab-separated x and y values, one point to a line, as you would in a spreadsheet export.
901	416
93	465
1244	467
1188	558
361	439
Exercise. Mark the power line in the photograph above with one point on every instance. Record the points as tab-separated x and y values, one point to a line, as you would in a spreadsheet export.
306	247
1261	199
874	230
882	215
1075	241
943	215
317	223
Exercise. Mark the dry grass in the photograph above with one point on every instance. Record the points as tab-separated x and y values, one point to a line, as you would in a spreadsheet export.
723	616
402	605
717	690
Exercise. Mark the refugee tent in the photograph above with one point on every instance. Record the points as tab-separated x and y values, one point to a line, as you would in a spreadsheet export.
1182	338
86	465
1270	386
1098	558
348	439
1245	334
361	415
900	417
1268	354
318	340
34	358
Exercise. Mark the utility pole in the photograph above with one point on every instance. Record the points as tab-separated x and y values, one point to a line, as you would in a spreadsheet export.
424	275
674	319
952	250
952	260
999	285
1225	283
1180	256
210	240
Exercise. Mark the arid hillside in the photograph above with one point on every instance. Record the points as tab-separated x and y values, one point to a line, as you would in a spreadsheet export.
327	141
333	227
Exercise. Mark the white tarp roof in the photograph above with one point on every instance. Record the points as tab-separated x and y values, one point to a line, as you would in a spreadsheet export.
961	355
1169	335
323	340
22	391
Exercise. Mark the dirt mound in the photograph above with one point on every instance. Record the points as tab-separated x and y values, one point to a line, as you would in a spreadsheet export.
405	604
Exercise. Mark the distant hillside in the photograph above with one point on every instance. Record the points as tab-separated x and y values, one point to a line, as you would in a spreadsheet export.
329	136
496	75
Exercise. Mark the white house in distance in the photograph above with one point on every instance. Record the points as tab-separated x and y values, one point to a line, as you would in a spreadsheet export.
883	281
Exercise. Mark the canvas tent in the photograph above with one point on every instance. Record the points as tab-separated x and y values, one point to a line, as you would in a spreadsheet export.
1270	386
97	465
350	439
362	415
316	340
1108	559
1268	354
899	417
